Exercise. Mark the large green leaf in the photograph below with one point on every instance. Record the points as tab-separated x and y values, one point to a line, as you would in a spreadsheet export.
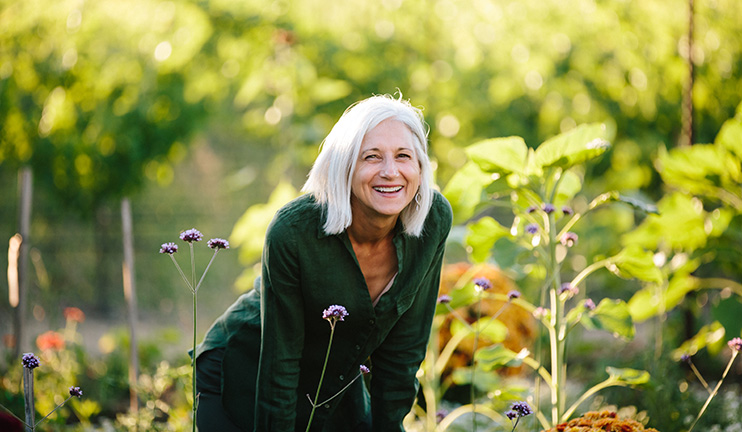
465	190
497	356
500	155
635	262
482	235
680	224
610	315
648	302
580	144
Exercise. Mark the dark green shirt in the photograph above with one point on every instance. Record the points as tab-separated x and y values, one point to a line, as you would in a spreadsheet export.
266	377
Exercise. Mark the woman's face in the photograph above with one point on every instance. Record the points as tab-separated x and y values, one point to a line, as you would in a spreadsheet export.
387	172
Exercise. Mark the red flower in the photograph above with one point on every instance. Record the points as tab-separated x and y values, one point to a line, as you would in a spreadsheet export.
74	314
50	340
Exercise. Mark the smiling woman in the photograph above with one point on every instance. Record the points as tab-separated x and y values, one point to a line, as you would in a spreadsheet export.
369	234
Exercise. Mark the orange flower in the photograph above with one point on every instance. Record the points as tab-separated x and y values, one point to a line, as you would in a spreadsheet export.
50	340
74	314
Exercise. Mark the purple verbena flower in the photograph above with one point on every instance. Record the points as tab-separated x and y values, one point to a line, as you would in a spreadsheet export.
482	284
540	312
364	369
445	298
521	408
569	239
440	415
30	361
217	243
567	210
548	208
75	391
191	235
531	209
532	228
512	415
589	304
568	288
168	248
335	313
735	344
685	358
514	294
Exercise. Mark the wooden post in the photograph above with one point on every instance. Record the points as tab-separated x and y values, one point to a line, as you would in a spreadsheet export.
25	186
130	294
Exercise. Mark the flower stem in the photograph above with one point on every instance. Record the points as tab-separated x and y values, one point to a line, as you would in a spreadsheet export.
472	389
193	359
321	377
193	362
29	399
177	266
52	411
216	250
716	390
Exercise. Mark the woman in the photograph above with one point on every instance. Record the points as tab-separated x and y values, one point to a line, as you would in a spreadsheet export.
369	235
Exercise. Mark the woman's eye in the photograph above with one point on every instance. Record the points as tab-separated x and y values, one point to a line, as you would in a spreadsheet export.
405	156
371	157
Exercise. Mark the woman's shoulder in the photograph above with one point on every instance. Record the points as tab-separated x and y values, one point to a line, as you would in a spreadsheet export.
440	216
300	214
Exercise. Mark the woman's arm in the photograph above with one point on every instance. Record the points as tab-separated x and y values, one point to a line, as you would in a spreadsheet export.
282	325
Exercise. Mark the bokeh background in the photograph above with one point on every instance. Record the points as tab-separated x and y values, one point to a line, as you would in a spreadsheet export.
196	111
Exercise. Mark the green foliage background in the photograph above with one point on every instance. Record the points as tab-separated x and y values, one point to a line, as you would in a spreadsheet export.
197	110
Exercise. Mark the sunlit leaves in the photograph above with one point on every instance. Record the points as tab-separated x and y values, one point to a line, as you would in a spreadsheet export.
482	235
612	316
579	145
464	191
500	155
497	356
635	262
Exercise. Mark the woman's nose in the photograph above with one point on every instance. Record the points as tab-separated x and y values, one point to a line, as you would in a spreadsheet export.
389	169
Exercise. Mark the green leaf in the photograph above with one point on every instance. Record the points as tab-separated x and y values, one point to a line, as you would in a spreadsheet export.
628	376
646	302
569	186
500	155
580	144
465	191
708	335
680	224
492	329
730	136
610	315
497	356
482	235
635	262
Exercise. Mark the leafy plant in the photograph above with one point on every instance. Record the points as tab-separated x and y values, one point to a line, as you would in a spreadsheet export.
539	186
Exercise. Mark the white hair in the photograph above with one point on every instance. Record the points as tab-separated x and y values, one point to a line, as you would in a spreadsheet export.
330	178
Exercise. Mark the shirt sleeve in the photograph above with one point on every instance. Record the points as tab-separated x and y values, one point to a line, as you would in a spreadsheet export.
395	363
282	326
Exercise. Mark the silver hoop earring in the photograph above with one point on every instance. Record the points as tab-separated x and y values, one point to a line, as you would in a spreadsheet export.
418	198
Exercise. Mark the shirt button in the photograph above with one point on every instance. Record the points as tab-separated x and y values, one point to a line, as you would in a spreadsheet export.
327	405
358	347
371	321
342	377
